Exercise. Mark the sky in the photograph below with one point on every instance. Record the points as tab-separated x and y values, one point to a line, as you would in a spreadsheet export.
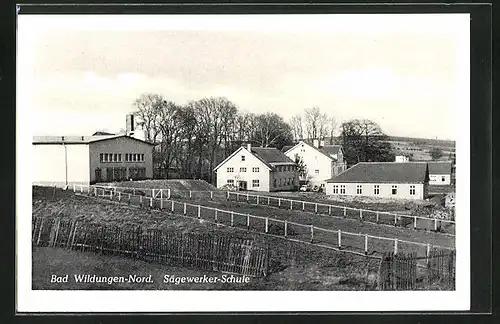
405	72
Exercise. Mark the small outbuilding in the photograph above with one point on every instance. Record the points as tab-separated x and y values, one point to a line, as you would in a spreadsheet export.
408	180
440	173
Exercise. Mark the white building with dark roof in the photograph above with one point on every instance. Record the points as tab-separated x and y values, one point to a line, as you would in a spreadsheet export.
440	173
408	180
67	160
258	169
322	162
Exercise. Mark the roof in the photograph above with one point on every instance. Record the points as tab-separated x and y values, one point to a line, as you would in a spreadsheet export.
270	156
384	172
331	149
286	148
326	150
99	133
79	139
440	167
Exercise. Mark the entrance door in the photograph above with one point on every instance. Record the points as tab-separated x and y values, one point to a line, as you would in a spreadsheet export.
242	185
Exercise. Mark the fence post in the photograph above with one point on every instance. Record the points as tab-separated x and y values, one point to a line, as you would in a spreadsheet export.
185	208
345	212
199	211
216	216
161	203
366	244
267	224
279	202
395	220
312	233
95	191
228	195
119	196
361	215
377	218
415	222
190	194
428	252
232	219
129	198
248	221
140	200
151	202
268	201
211	195
329	209
303	206
316	208
286	228
247	197
291	205
74	187
257	199
435	224
340	239
168	193
396	246
173	206
111	195
81	188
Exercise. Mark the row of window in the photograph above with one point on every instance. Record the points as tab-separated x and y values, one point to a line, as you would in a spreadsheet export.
117	157
255	182
119	174
376	189
257	169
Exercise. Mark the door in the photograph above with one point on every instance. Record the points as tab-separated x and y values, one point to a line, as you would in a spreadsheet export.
98	175
242	185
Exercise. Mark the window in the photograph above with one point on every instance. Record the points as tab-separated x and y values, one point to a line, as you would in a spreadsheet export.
316	172
142	157
335	189
98	175
443	179
230	181
412	190
119	157
274	183
242	158
242	169
115	157
322	185
101	157
126	157
230	170
394	190
255	169
359	189
255	183
376	189
342	189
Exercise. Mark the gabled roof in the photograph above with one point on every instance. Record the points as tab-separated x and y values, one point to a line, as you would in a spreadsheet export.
331	149
269	156
384	172
79	139
320	150
286	148
440	167
100	133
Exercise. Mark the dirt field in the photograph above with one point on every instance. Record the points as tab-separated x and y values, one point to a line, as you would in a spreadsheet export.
293	266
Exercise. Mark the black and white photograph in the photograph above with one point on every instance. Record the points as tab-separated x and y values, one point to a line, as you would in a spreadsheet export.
243	162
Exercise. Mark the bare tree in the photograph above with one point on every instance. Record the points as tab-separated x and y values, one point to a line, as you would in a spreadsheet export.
316	123
147	108
297	125
332	129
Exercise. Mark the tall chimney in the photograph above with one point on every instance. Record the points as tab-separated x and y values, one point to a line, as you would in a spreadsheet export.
130	124
249	147
316	143
321	143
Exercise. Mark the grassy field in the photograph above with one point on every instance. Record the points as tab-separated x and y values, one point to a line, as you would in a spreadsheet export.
293	266
174	184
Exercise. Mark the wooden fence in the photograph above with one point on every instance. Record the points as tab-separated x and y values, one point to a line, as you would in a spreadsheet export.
357	243
364	215
202	251
402	271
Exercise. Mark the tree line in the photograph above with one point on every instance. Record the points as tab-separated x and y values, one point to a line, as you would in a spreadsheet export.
193	138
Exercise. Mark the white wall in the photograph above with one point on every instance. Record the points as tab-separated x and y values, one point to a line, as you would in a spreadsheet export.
403	190
121	145
53	162
313	160
437	179
250	162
